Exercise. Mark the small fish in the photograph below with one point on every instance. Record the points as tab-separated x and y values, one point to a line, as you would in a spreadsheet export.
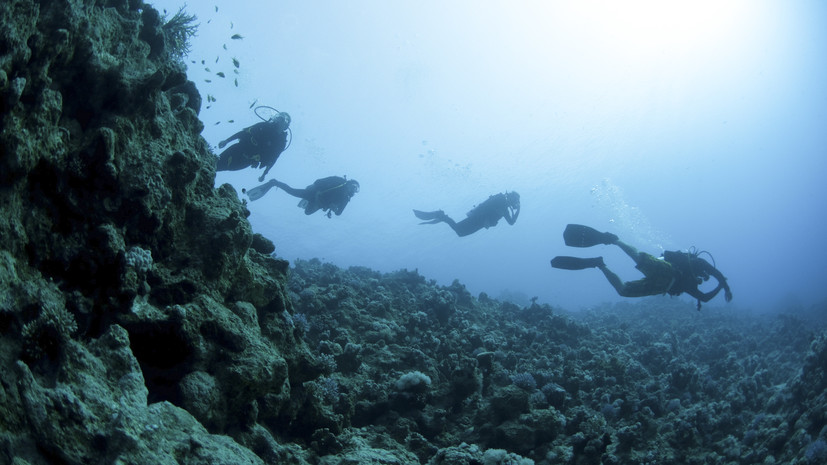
236	82
236	63
209	21
209	106
254	102
207	80
216	59
231	121
237	37
203	62
207	70
220	74
231	24
236	71
217	123
216	8
193	61
225	46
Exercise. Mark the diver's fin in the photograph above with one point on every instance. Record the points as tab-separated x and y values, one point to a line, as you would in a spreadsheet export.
577	235
434	216
258	192
575	263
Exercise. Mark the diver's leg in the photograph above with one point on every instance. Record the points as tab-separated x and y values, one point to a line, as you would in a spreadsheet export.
258	192
614	280
630	251
301	193
232	159
639	288
575	263
467	226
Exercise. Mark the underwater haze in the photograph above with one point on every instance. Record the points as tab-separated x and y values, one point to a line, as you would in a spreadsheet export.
671	124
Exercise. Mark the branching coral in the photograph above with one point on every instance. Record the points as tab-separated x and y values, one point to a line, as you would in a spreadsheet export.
49	332
178	31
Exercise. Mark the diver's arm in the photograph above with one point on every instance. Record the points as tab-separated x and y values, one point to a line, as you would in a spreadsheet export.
334	199
722	283
511	218
266	170
339	208
705	296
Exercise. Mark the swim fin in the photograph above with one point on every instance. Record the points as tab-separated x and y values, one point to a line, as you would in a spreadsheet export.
577	235
258	192
430	217
576	263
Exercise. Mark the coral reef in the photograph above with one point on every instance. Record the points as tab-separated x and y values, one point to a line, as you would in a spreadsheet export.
136	321
653	381
142	320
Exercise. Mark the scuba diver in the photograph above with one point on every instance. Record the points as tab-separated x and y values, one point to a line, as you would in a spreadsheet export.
259	145
330	194
676	273
484	215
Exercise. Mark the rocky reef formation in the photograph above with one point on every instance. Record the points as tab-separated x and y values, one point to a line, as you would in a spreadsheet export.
143	321
653	381
138	322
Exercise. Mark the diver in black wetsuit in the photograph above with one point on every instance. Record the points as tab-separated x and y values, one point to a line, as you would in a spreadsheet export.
259	146
330	194
485	215
676	273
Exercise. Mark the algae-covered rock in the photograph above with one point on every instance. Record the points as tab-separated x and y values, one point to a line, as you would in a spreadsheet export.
130	298
96	409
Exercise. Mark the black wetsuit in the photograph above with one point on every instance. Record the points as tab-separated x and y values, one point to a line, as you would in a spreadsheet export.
259	146
484	215
677	273
330	194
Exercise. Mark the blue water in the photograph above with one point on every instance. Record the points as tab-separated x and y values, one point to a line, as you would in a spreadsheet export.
700	127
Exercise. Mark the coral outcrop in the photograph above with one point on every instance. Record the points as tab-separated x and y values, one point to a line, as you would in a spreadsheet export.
143	321
138	324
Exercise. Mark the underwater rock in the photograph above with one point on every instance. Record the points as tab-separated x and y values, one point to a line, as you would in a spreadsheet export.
127	278
95	407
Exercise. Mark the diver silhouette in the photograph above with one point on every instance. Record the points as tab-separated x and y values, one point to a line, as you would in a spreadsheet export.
676	273
485	215
258	146
330	194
